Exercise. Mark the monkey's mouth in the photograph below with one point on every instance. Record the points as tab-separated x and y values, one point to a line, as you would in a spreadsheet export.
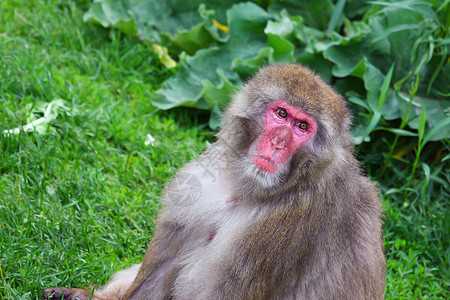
264	164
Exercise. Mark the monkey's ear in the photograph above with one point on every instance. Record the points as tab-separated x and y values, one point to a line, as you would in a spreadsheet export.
244	131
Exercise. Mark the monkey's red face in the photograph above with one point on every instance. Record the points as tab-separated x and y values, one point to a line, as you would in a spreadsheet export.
286	129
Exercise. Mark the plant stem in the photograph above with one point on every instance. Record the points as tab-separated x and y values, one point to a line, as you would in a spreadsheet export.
405	122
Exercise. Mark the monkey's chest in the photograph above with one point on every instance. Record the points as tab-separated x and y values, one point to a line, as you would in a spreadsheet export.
212	244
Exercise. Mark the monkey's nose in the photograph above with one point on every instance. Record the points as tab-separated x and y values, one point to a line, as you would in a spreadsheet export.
279	142
280	138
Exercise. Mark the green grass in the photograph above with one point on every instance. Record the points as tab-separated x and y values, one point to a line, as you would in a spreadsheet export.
79	202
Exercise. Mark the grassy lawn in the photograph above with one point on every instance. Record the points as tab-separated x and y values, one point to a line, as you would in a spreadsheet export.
79	202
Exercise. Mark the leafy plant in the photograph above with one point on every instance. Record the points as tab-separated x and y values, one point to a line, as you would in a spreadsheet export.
362	40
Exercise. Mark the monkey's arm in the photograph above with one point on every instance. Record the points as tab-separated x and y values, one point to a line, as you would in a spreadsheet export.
158	270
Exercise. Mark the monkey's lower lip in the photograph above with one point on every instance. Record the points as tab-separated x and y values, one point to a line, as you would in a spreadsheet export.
264	164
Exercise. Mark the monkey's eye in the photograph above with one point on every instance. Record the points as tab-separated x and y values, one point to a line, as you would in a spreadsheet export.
282	112
302	125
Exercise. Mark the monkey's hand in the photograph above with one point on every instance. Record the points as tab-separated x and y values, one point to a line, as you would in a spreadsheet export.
66	294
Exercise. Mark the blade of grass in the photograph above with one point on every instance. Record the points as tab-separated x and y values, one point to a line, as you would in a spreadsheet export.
426	171
421	132
385	87
443	123
397	131
336	16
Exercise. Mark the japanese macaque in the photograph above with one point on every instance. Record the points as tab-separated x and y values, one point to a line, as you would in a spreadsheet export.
277	208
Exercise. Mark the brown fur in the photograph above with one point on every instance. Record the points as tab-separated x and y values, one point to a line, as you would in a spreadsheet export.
310	232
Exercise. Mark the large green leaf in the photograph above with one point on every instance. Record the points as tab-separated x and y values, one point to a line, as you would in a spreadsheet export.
316	13
187	24
112	13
